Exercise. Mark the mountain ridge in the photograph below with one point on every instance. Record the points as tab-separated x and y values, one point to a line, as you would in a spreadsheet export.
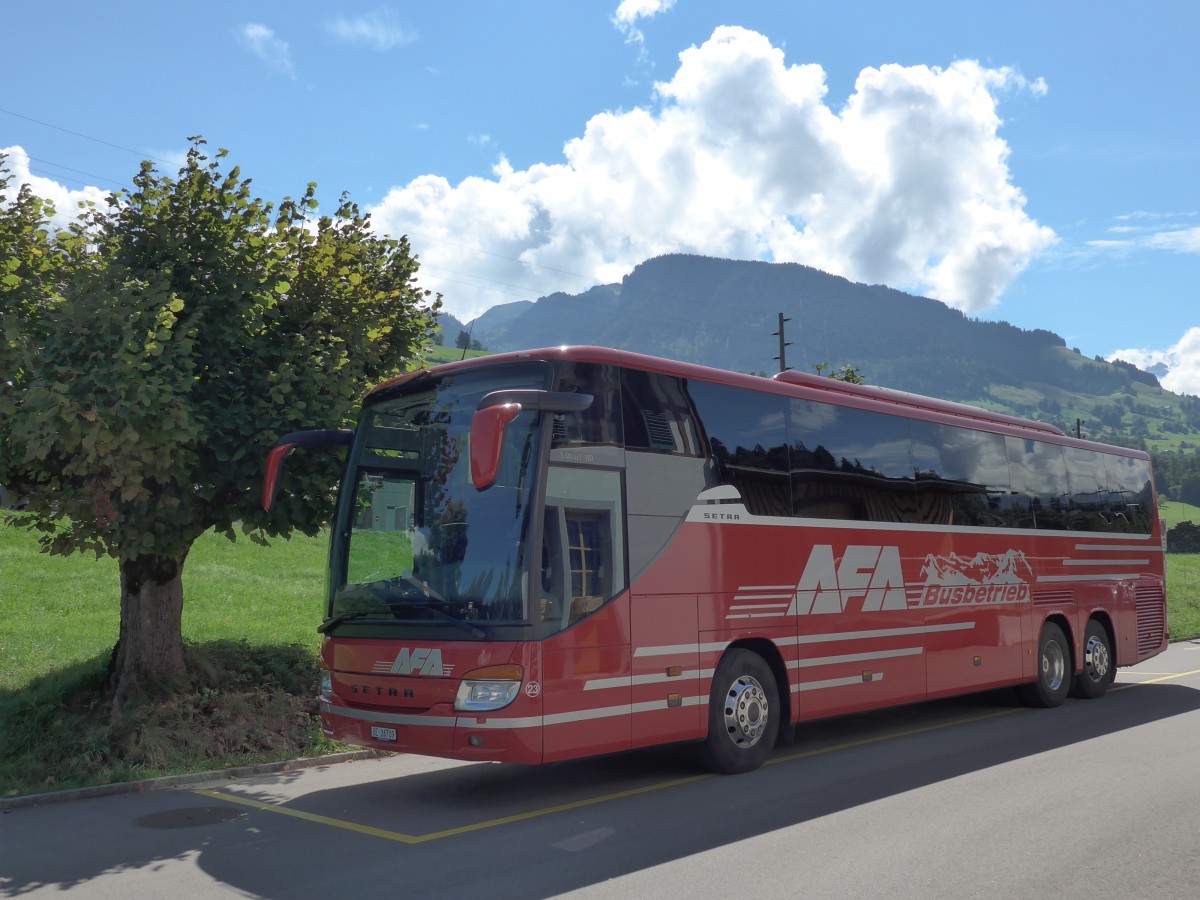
723	313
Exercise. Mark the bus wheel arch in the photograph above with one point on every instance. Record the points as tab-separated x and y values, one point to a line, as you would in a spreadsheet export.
1098	663
1055	667
745	712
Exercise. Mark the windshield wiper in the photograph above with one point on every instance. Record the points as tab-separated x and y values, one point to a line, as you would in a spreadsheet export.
345	617
436	607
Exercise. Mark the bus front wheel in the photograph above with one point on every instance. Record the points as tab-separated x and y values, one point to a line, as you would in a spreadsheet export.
1054	670
743	714
1098	668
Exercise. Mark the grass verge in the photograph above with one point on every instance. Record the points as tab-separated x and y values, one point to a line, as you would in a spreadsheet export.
1183	595
249	625
241	704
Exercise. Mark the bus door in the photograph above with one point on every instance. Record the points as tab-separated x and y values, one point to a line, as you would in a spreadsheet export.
584	607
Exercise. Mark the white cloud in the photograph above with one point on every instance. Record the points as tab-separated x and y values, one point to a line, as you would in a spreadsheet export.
1170	231
629	11
1182	361
66	201
907	184
1181	241
379	29
262	42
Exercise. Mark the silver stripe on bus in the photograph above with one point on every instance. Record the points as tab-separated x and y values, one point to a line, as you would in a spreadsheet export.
878	633
579	715
834	682
696	514
498	722
854	657
1106	562
604	684
672	649
367	715
1149	548
1043	579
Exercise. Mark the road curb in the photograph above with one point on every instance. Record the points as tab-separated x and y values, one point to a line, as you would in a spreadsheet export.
189	780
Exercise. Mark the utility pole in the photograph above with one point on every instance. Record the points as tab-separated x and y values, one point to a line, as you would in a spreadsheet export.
782	357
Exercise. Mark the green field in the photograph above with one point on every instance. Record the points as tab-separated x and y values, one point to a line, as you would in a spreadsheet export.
61	610
1173	513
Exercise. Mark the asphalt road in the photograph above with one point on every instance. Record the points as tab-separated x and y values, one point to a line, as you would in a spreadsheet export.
975	797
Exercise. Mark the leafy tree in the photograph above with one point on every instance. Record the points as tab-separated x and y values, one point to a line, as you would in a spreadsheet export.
1189	488
34	264
463	341
843	373
203	323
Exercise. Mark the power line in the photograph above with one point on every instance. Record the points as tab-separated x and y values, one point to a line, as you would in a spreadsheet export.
79	134
47	162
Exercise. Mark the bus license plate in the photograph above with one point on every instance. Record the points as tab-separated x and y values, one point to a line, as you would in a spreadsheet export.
380	733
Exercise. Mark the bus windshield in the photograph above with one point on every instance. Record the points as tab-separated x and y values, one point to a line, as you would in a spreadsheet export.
422	545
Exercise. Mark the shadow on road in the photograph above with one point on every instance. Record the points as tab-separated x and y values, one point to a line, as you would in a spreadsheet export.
534	832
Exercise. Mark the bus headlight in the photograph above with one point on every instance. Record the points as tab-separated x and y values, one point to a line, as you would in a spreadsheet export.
493	687
325	688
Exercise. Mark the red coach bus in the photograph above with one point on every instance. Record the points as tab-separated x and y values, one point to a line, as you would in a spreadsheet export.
557	553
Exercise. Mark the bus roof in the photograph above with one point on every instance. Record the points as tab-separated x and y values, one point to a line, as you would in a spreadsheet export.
791	382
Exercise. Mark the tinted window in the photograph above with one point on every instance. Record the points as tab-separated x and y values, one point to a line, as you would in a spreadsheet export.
853	464
747	438
600	423
1090	507
658	415
1131	493
1039	482
964	472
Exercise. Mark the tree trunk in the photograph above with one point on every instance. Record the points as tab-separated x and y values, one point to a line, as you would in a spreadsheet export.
150	643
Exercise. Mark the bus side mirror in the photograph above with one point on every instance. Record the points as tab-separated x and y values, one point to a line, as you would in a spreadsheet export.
322	439
487	440
494	413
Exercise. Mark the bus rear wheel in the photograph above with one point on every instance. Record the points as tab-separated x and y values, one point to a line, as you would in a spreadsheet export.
1098	668
743	714
1054	670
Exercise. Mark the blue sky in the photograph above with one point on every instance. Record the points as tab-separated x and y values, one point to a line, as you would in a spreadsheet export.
1033	162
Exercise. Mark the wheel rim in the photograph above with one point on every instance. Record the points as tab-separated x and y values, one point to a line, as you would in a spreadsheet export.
746	711
1054	666
1096	660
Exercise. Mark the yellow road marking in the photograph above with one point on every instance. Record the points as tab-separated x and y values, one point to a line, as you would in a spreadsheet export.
632	792
1170	676
450	832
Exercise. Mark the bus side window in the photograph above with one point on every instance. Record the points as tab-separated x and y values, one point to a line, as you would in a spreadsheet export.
1131	493
971	467
849	463
600	423
748	443
1039	479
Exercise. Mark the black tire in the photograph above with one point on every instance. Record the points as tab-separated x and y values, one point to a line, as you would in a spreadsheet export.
743	714
1099	666
1054	670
